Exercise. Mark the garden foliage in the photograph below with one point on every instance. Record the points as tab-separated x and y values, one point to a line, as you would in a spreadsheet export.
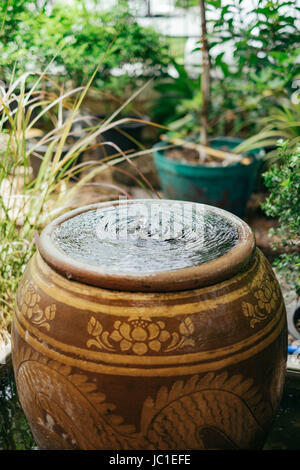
74	38
262	71
283	181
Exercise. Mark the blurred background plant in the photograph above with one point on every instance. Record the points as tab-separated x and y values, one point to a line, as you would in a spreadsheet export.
254	66
282	123
179	101
265	56
73	37
254	58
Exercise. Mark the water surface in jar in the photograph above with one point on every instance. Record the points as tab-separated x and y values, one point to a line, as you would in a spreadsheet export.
148	237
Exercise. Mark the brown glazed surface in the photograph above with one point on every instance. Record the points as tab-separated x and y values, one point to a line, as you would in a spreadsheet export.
109	369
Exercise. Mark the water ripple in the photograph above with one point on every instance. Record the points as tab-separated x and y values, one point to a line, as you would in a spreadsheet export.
148	237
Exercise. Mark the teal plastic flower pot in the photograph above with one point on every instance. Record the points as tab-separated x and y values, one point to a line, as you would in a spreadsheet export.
228	187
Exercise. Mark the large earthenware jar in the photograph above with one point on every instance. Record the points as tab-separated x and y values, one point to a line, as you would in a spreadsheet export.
149	324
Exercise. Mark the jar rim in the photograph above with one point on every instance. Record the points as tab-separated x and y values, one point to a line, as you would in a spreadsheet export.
191	277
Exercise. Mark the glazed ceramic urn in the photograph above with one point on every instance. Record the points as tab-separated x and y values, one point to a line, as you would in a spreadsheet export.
149	324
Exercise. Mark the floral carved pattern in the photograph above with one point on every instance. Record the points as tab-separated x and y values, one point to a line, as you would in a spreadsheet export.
140	335
31	307
267	294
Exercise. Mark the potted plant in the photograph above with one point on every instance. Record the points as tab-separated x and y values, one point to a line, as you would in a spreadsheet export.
205	176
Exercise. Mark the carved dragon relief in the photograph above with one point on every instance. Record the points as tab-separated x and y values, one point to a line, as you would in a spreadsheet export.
191	414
